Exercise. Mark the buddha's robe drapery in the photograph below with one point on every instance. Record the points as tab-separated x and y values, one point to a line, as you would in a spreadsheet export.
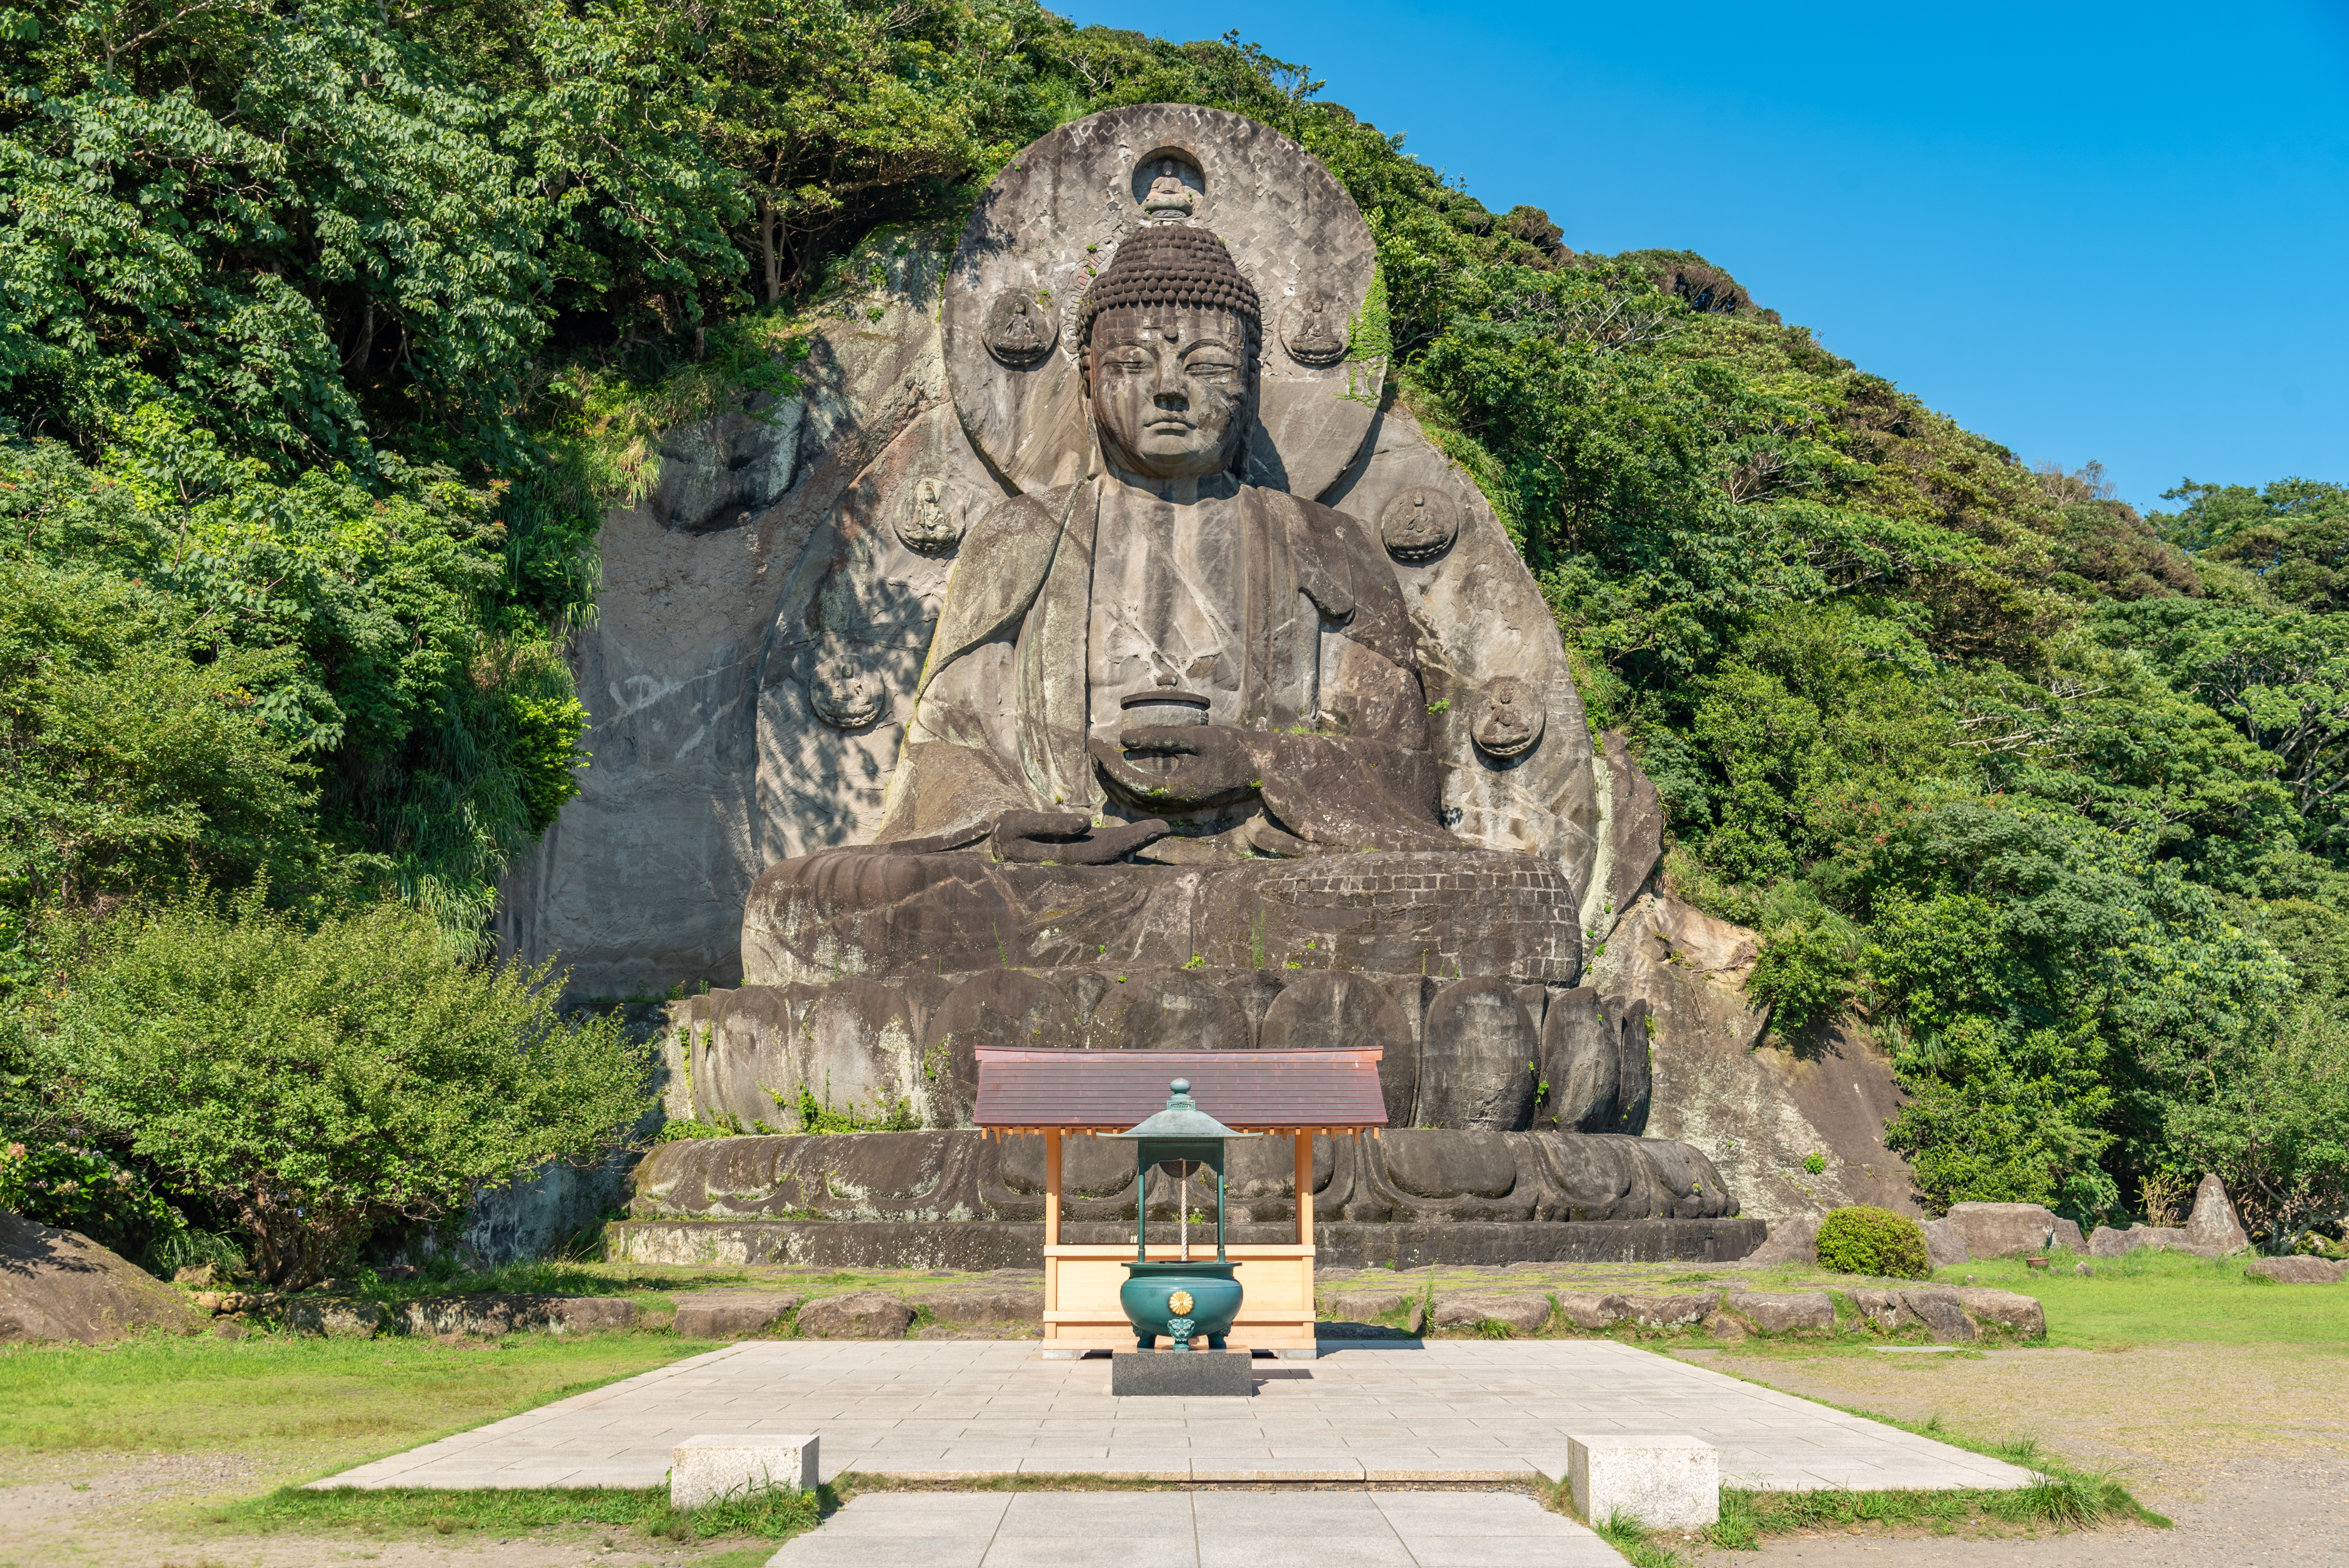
1307	647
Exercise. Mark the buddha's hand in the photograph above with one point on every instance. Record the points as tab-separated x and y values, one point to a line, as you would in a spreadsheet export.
1183	765
1070	838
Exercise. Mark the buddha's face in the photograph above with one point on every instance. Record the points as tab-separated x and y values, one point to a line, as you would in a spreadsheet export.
1171	388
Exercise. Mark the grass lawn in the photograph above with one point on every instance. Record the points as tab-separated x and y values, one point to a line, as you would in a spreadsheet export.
319	1405
2167	1298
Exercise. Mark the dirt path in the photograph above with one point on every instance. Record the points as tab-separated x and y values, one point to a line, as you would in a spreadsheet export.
2246	1448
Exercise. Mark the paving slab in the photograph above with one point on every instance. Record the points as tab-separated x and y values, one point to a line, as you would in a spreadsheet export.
1201	1530
1457	1411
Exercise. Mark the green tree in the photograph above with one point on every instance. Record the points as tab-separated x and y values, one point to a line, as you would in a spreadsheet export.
312	1084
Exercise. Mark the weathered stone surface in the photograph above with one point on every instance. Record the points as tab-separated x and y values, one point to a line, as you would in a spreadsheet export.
1586	1309
1001	1305
1477	1065
2213	1222
488	1315
737	1466
1580	1060
1630	840
860	1315
2010	1230
639	884
1368	1307
334	1320
1666	1483
1945	1244
1479	617
2109	1242
1669	1311
58	1286
1406	1175
1522	1313
1194	1374
732	1314
2298	1270
1941	1313
2008	1309
1760	1110
1883	1309
1788	1312
1794	1240
1331	1010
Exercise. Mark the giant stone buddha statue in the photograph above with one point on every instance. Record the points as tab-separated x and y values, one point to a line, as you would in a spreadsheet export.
1167	710
1142	679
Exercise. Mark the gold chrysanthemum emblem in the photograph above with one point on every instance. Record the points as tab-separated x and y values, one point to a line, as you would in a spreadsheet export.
1179	1304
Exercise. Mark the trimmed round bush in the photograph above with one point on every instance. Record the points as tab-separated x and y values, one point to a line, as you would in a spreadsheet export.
1864	1240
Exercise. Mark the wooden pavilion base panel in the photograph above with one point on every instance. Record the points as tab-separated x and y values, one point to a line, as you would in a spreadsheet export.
1082	1312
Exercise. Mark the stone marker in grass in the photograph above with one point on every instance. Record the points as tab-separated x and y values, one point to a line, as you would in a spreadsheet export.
1666	1482
736	1465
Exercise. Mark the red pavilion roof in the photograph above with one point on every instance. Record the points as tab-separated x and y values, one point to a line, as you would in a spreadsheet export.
1247	1092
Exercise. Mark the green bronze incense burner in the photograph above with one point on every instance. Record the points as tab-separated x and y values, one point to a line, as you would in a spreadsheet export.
1182	1299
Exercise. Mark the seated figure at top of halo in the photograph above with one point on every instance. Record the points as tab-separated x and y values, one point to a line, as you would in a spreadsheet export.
1165	711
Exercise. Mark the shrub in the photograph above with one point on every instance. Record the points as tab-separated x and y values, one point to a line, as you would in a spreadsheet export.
314	1083
1862	1240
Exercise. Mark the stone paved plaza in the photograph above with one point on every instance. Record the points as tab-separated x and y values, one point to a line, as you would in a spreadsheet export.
1461	1411
1198	1530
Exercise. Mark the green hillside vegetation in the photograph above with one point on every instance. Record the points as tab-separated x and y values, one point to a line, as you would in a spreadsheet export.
331	329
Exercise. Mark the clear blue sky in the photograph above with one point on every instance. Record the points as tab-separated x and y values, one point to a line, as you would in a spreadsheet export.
2083	230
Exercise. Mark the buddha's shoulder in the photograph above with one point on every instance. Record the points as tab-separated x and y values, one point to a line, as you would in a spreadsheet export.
1014	516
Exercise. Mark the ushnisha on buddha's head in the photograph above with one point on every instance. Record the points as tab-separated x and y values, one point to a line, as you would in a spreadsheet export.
1169	332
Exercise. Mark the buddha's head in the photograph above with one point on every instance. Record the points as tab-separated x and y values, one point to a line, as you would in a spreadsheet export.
1168	335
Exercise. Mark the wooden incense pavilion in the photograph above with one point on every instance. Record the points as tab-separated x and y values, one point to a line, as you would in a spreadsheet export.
1062	1094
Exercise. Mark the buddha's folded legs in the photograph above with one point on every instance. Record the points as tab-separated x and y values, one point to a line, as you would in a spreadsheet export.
840	912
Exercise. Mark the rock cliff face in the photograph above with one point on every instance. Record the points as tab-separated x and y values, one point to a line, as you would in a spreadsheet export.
1758	1110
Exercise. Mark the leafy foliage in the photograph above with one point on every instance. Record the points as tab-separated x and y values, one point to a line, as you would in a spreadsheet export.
1866	1240
312	1084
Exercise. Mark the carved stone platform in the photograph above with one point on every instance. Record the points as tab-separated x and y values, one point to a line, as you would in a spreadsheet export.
962	1199
979	1246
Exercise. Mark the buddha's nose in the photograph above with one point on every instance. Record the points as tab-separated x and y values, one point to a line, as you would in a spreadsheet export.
1169	381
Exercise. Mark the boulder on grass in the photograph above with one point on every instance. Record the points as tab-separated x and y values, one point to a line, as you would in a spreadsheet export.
2009	1309
2298	1271
1585	1309
2213	1222
57	1286
332	1318
2109	1242
1522	1314
1794	1240
1005	1305
1789	1312
2011	1230
1945	1244
1669	1311
860	1315
732	1313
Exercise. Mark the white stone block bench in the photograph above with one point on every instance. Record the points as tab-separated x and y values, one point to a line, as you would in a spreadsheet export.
1665	1481
703	1470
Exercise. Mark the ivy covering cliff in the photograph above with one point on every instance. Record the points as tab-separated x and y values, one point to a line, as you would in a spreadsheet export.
331	329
